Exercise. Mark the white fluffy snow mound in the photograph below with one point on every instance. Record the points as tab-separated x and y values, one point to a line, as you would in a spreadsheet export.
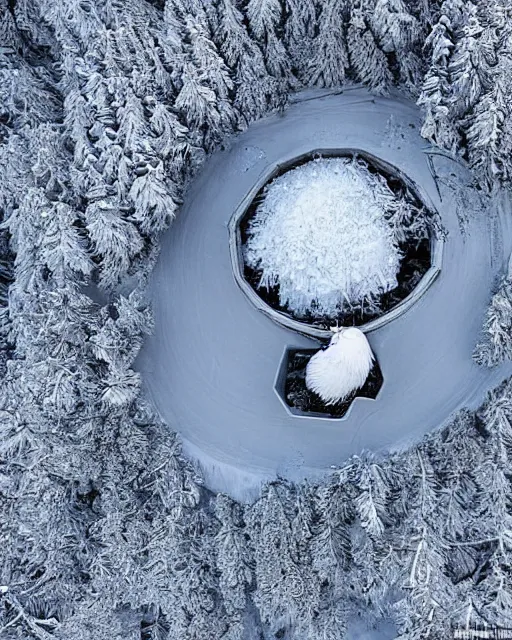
343	367
321	233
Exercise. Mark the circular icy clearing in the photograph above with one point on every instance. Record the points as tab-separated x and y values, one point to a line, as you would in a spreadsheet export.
210	366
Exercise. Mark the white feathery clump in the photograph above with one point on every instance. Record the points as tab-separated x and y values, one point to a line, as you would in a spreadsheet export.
321	233
343	367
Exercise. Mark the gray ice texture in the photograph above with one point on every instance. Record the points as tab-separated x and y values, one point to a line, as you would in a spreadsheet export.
211	364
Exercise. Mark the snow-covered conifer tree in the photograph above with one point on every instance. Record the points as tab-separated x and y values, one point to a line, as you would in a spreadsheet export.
285	590
201	77
456	453
26	92
497	344
13	165
376	495
214	73
174	17
302	522
494	592
331	546
484	133
370	504
256	90
469	66
420	572
488	125
299	32
265	22
368	62
206	57
198	103
115	240
234	562
438	126
398	32
170	139
329	57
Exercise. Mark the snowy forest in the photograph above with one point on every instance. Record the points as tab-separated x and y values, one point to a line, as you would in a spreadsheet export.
107	532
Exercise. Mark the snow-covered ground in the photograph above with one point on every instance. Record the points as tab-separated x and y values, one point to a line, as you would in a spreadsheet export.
321	234
211	364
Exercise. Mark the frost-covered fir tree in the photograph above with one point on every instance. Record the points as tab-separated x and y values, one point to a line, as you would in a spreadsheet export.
470	63
438	126
496	345
488	126
287	593
493	536
201	76
265	22
234	563
368	61
334	212
329	57
197	102
215	75
415	572
256	90
330	545
26	94
398	33
299	32
327	511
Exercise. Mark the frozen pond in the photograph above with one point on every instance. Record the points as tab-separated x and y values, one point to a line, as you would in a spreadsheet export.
211	364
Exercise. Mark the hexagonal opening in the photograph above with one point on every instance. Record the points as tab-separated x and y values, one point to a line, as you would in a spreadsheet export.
291	389
419	267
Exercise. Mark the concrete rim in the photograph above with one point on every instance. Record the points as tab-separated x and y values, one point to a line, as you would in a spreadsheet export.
268	174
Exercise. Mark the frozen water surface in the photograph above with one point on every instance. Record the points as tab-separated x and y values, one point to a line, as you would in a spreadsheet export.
211	364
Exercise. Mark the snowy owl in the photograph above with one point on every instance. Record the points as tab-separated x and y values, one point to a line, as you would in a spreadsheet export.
343	367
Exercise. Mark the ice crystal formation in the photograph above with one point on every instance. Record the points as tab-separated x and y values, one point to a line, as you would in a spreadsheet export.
334	373
322	235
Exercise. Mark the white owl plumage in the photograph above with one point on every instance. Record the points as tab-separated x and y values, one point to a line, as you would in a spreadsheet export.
334	373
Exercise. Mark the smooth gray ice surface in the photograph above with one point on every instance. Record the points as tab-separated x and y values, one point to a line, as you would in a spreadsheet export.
210	366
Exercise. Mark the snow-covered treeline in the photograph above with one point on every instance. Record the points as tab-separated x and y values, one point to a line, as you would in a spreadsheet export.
107	108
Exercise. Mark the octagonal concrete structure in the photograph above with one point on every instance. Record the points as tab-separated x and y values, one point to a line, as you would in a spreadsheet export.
274	170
